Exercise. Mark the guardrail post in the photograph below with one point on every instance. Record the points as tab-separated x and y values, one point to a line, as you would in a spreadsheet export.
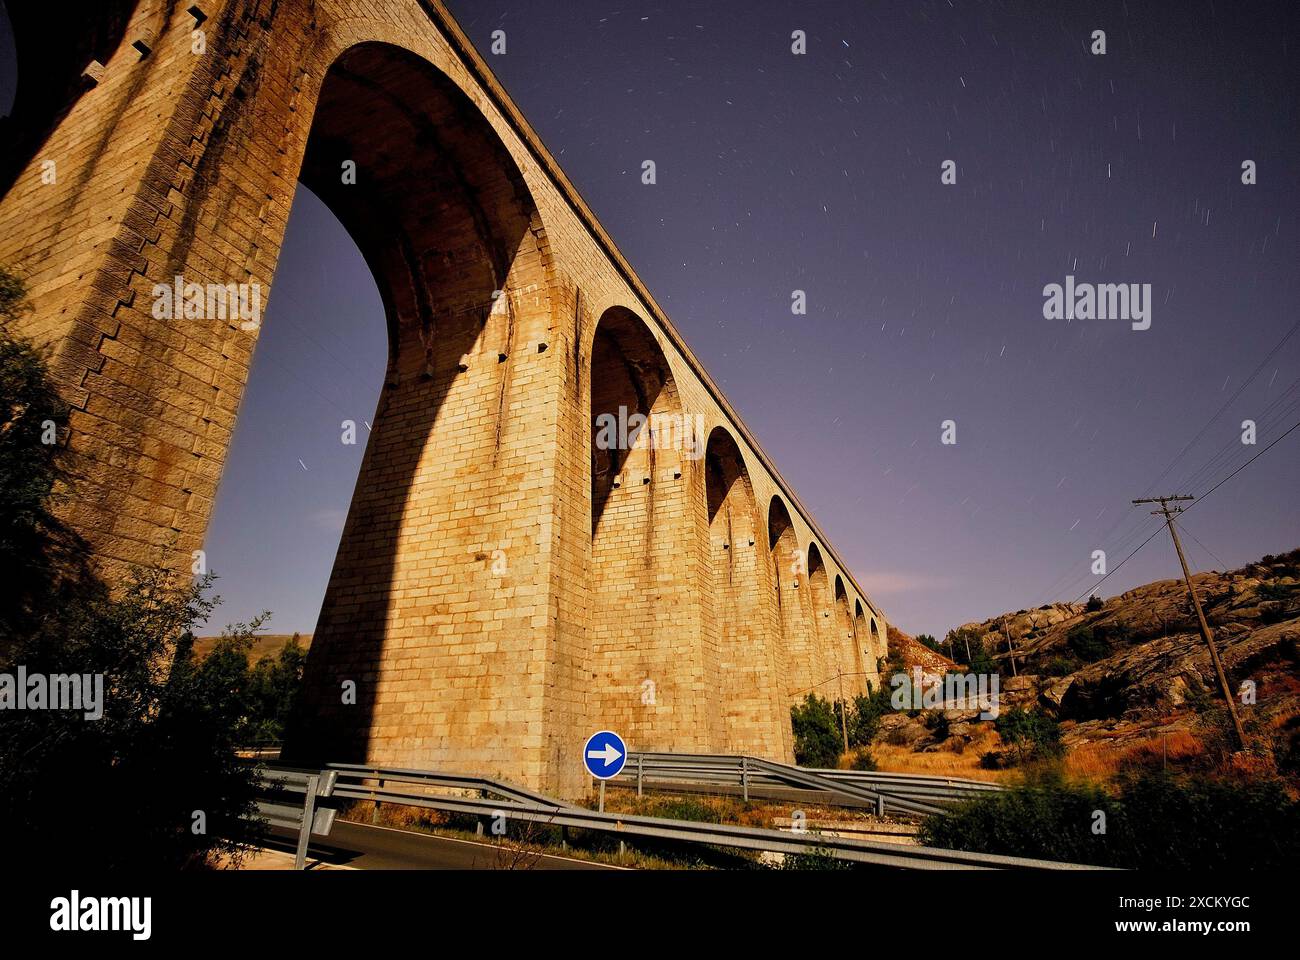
374	814
744	778
640	772
308	815
880	804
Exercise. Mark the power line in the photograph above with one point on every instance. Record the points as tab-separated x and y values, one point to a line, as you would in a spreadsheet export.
1218	413
1212	554
1208	468
1247	463
1200	499
1115	569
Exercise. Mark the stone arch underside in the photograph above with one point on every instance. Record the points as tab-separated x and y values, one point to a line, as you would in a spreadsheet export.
849	656
652	634
431	609
792	591
866	646
824	658
751	665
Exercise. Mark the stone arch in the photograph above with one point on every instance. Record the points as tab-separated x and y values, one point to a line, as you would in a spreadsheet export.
824	655
848	657
878	646
439	531
865	645
749	662
790	585
651	630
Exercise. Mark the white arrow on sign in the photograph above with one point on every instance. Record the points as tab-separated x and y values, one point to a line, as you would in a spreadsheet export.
609	753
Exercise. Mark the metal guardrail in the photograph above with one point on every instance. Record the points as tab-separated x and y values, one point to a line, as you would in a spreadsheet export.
297	799
374	784
912	794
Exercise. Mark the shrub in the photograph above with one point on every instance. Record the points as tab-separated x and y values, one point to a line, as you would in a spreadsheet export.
936	721
1154	821
1043	818
863	760
121	791
927	640
1094	604
817	737
1087	644
981	660
1062	666
271	689
865	715
1031	733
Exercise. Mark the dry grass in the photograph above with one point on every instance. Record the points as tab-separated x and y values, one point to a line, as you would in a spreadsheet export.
943	763
1100	760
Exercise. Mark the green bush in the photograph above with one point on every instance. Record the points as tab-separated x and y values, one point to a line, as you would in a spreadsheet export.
1154	821
267	691
863	760
936	721
818	740
124	791
865	715
981	660
1094	604
1087	644
926	640
1062	666
1031	734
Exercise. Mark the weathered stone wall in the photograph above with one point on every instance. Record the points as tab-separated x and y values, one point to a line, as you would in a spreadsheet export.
502	587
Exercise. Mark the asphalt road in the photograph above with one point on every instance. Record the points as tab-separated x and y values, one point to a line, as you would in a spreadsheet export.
365	847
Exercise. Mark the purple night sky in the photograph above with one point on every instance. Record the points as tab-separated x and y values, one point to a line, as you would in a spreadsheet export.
821	172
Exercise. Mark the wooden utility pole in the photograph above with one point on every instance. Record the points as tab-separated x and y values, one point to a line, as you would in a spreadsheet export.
844	706
1007	633
1169	513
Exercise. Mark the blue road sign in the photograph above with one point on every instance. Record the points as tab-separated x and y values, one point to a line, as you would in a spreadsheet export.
604	754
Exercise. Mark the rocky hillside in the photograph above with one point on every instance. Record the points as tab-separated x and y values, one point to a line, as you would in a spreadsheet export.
914	653
1136	662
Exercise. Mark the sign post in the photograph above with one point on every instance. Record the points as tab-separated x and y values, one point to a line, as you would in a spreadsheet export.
604	755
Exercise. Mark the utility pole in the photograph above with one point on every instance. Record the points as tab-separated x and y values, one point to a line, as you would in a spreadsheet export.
844	723
1007	633
1169	513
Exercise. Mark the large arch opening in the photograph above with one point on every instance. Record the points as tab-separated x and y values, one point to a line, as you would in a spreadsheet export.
824	659
418	616
790	585
643	578
863	643
748	650
850	657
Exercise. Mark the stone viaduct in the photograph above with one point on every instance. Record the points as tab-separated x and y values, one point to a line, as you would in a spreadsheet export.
507	582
